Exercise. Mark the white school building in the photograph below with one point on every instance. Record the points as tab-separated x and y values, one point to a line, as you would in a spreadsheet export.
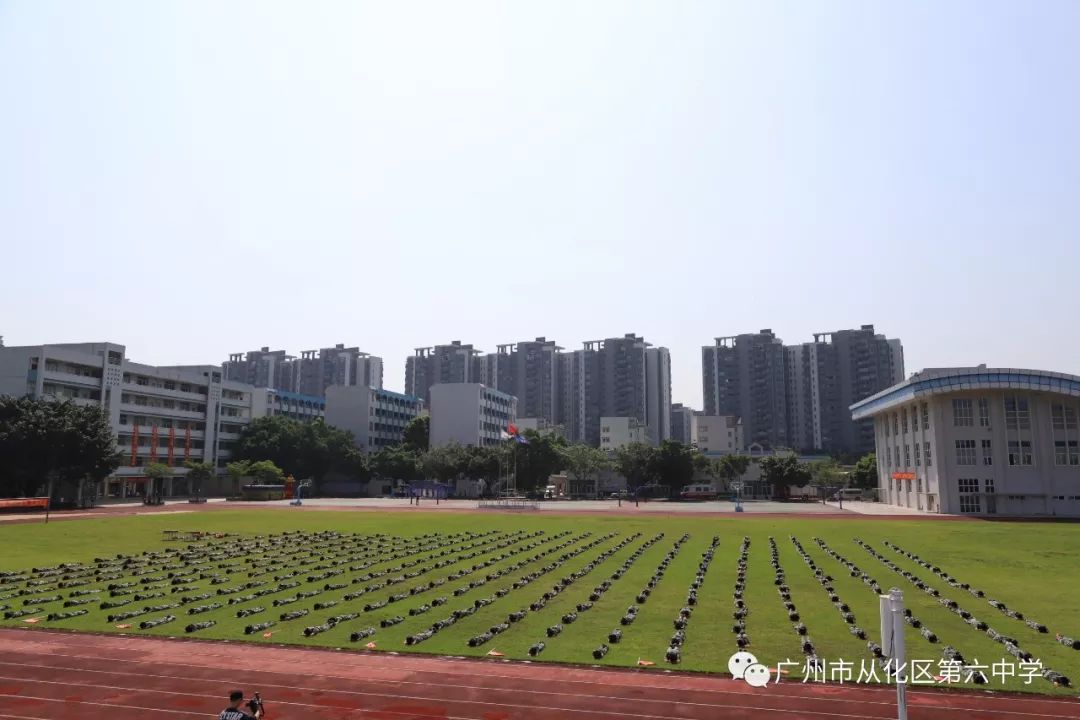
979	441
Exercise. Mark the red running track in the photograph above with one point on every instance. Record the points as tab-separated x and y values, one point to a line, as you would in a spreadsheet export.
47	675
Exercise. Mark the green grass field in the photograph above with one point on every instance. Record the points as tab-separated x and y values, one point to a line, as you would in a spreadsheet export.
1027	566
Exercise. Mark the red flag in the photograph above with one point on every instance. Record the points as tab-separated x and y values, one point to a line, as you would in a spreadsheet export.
512	429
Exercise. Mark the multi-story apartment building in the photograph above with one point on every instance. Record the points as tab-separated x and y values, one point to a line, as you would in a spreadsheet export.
469	414
681	423
528	371
159	414
616	377
261	368
746	376
717	434
825	377
377	418
453	363
310	374
981	441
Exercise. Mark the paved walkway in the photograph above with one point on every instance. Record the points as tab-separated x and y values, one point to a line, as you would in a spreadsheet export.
591	506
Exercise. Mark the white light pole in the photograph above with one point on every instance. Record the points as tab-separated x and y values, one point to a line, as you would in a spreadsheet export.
891	608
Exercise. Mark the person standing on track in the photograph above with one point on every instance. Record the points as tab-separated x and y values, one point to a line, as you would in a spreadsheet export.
235	710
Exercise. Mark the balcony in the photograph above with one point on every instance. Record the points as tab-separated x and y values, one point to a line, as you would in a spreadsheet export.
133	409
68	378
175	394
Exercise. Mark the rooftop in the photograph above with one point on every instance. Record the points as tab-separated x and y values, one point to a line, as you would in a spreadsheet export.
932	381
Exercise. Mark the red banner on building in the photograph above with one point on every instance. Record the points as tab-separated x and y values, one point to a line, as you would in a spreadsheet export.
172	442
903	476
134	445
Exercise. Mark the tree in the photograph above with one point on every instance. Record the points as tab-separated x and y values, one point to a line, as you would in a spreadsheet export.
446	463
266	472
395	463
539	459
782	472
237	471
637	462
157	474
198	473
825	473
585	462
676	463
730	468
865	473
417	433
487	463
303	450
53	446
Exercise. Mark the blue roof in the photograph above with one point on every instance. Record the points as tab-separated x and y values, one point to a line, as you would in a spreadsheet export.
400	396
944	380
300	396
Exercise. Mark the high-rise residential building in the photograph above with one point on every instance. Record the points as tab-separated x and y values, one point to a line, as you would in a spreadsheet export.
746	376
263	368
681	423
309	374
827	376
658	394
453	363
617	377
377	418
159	414
529	371
469	414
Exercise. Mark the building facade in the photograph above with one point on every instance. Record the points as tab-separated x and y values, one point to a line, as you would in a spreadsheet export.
825	377
746	376
528	371
159	414
453	363
617	432
681	423
979	441
310	374
717	434
377	418
469	414
268	402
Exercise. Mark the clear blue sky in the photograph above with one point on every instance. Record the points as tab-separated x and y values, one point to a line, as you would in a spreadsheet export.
198	178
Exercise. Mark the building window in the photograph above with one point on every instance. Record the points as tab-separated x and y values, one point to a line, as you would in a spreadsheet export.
984	412
962	413
1064	417
1066	453
1017	413
885	424
888	456
965	452
925	416
918	484
904	423
895	424
1020	452
917	455
915	418
907	455
988	486
926	453
969	495
987	453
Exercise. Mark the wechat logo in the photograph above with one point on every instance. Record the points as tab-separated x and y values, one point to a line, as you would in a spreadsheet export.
744	666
